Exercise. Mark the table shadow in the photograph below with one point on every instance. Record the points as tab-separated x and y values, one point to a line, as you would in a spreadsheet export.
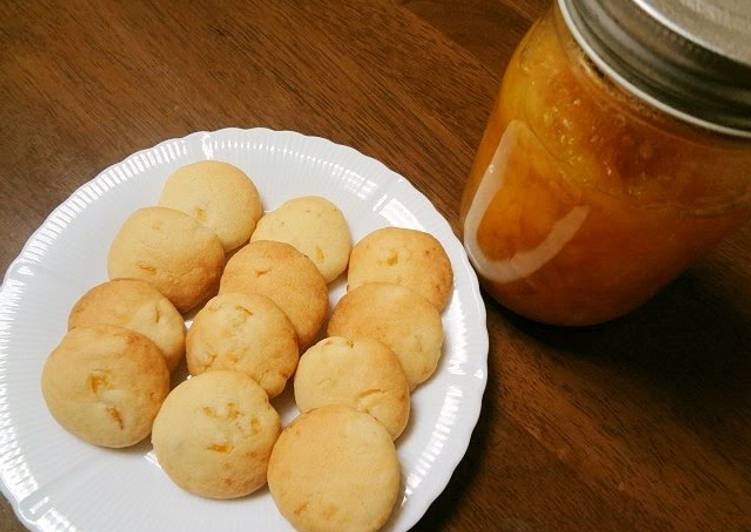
688	348
688	340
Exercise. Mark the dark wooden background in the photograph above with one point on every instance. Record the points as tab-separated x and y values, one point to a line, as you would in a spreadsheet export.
641	424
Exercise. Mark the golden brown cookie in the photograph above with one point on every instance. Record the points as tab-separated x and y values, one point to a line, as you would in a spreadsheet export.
400	318
335	469
315	227
172	252
246	333
105	384
138	306
361	373
214	434
413	259
287	277
217	194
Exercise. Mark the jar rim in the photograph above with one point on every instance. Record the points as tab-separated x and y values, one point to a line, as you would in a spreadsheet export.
663	69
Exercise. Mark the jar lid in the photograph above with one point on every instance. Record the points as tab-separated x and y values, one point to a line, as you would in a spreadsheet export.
689	58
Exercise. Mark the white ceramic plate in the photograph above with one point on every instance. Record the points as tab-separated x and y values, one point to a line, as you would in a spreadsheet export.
57	482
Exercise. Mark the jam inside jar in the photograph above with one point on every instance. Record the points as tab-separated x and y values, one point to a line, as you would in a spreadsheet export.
583	200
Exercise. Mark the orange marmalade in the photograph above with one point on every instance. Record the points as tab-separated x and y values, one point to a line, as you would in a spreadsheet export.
583	200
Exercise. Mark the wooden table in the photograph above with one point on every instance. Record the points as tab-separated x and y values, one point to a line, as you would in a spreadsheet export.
644	423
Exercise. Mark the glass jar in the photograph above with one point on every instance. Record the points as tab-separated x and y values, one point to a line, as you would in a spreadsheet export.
588	193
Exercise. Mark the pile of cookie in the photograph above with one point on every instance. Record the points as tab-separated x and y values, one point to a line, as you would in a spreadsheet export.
216	434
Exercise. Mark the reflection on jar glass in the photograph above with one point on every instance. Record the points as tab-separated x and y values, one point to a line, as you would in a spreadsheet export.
583	199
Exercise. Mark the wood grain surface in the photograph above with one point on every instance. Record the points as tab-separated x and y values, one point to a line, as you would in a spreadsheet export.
640	424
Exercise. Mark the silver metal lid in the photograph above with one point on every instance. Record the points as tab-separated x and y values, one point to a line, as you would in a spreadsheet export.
688	58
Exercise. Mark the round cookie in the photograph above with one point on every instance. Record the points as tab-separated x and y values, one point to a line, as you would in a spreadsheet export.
400	318
335	469
246	333
171	251
217	194
105	384
214	434
406	257
134	305
287	277
361	373
315	227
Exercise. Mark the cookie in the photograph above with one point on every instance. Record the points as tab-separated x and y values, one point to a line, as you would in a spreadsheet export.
217	194
287	277
246	333
413	259
105	384
398	317
335	469
134	305
315	227
361	373
214	434
172	252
